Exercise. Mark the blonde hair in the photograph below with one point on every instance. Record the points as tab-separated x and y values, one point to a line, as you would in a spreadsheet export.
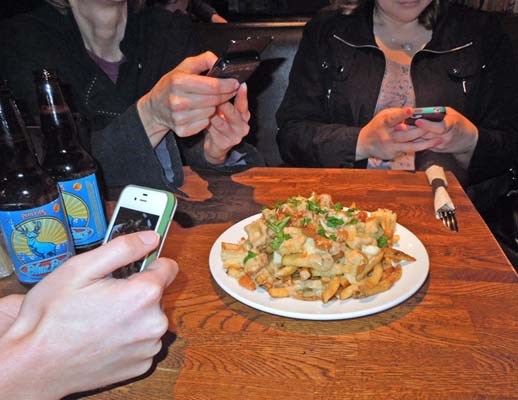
63	6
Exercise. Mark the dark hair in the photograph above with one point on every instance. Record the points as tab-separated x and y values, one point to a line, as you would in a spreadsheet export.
428	17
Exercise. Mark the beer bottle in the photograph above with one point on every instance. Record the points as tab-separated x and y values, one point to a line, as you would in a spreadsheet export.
32	215
69	164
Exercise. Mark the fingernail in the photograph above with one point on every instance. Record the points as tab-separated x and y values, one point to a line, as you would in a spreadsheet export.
244	85
148	237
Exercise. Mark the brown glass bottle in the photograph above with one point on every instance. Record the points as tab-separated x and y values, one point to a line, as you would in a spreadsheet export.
70	164
32	215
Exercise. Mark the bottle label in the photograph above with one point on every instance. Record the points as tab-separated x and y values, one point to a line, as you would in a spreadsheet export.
84	210
38	240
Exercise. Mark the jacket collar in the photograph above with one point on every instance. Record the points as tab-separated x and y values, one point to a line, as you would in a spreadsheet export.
357	29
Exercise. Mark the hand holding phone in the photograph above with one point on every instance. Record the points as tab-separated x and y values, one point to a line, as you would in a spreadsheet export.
139	209
434	114
240	59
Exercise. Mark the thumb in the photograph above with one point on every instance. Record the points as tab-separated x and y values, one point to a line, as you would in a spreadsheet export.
197	64
395	116
99	263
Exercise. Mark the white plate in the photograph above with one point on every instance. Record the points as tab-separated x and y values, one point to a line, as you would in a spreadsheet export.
414	275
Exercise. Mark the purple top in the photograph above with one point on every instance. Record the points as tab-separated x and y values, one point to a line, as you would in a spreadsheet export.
110	68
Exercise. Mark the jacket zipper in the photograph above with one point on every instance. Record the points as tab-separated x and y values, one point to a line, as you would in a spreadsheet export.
461	47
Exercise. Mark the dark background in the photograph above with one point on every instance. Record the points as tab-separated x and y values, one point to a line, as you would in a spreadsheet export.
232	9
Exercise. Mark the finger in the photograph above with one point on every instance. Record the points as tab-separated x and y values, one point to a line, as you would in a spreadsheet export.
230	123
413	147
192	128
407	135
429	126
197	84
219	124
121	251
395	116
197	64
190	116
232	115
241	102
161	271
191	101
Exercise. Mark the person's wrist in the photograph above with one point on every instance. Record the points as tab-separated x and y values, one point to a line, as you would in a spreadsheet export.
215	160
154	130
19	354
361	151
213	155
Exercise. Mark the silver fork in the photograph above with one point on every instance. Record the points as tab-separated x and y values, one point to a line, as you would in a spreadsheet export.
448	217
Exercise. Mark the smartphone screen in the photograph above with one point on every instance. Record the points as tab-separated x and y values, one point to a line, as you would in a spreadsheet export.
141	209
129	221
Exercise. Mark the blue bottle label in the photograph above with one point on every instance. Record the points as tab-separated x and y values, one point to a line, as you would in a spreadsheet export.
38	240
84	210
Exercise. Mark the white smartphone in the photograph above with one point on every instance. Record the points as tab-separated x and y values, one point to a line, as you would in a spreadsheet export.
139	209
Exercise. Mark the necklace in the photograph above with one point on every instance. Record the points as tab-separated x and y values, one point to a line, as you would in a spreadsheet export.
407	46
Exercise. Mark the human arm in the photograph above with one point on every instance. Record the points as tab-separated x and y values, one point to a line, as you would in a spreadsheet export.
206	12
326	116
217	19
386	136
306	136
9	309
79	329
484	137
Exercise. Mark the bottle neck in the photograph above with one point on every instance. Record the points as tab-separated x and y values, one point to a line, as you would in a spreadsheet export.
15	152
57	121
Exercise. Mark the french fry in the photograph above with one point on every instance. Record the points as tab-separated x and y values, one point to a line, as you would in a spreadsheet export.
385	284
247	282
377	274
363	270
313	250
331	289
396	255
278	292
348	291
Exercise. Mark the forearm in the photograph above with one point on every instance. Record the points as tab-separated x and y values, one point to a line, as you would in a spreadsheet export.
24	371
317	144
202	10
121	148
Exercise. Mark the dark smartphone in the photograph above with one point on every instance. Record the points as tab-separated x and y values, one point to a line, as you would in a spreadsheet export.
434	114
240	59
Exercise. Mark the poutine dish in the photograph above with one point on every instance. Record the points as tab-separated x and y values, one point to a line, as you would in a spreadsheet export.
317	250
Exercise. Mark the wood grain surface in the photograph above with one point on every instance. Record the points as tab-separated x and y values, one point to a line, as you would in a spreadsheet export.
456	338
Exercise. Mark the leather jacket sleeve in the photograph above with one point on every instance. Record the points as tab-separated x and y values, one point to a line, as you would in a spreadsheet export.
497	146
306	136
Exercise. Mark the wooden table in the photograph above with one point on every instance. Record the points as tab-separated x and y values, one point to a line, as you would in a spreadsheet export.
456	338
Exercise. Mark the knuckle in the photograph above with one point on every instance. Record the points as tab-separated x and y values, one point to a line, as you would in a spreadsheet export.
181	130
124	245
153	293
160	326
143	367
176	103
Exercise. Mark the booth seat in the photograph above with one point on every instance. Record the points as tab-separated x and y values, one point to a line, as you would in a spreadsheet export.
268	84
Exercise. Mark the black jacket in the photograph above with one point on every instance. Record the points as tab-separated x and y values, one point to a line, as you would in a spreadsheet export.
155	42
337	74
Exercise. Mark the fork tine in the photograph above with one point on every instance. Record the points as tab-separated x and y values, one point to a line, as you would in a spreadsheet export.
453	218
444	218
